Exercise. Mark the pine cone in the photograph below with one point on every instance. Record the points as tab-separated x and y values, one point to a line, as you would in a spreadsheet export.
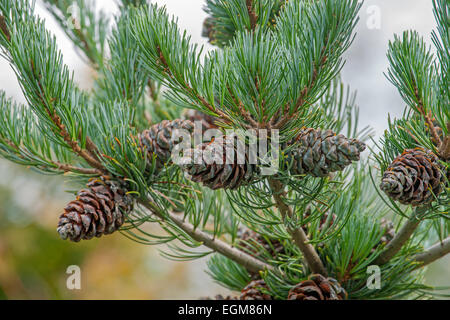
218	169
207	121
321	152
158	139
99	209
254	291
248	237
317	287
415	177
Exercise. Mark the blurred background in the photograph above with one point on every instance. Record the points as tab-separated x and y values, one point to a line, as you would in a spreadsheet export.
33	260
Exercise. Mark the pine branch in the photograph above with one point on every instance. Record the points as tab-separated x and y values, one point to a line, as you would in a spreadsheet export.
74	145
433	253
402	237
298	235
70	168
426	115
187	87
46	81
250	263
88	30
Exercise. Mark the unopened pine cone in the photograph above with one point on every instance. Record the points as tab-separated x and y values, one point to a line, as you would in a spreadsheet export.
98	210
158	140
248	238
207	122
317	287
255	290
213	165
414	178
320	152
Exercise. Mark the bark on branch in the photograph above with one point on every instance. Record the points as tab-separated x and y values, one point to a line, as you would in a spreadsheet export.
298	235
433	253
402	237
250	263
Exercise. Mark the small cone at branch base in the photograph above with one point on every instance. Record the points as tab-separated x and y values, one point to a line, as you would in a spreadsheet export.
98	210
321	152
249	241
414	178
255	290
218	165
158	140
317	287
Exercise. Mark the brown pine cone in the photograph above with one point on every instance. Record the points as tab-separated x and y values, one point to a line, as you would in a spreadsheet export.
247	237
207	121
321	152
317	287
414	178
212	165
254	291
158	139
98	210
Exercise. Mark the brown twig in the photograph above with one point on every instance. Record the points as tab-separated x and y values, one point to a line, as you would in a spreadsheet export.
249	262
298	235
187	87
69	168
61	166
85	154
303	94
427	116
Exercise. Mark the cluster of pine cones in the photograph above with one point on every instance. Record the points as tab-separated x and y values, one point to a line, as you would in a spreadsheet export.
313	152
103	205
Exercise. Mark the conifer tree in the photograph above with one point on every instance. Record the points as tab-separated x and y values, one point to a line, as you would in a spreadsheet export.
309	230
